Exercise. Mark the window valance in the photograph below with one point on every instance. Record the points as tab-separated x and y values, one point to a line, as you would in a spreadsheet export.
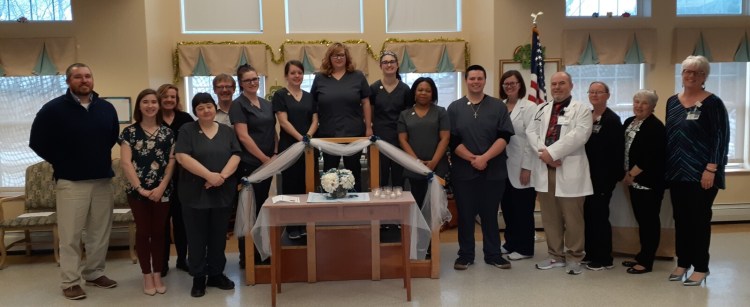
213	58
717	44
429	56
627	46
311	53
36	56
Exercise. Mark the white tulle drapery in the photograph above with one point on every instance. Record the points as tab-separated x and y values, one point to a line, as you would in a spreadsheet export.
434	209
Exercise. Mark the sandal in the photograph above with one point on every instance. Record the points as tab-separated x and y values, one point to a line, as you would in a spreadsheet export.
629	263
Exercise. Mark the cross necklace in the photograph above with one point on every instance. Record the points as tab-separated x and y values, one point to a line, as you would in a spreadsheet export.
477	109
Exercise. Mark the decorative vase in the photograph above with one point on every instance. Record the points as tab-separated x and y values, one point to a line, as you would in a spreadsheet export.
340	192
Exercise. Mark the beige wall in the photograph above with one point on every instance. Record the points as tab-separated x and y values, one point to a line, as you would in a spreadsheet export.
129	43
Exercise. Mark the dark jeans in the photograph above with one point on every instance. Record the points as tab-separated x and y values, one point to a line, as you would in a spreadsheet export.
692	223
150	218
646	208
481	197
391	173
207	239
597	229
350	162
518	212
177	230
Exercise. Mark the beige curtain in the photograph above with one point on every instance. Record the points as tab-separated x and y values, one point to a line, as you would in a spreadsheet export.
221	58
427	55
610	45
722	43
317	51
19	55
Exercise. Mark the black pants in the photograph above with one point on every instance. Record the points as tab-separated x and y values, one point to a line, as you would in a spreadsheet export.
293	178
418	190
518	212
350	162
177	230
646	208
481	197
206	233
260	191
692	223
597	229
391	173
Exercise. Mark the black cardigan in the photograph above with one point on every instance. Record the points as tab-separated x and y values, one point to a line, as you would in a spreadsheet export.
605	150
648	151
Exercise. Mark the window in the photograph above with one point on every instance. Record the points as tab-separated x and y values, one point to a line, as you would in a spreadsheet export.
624	80
710	7
730	81
198	84
237	16
409	16
586	8
35	10
21	99
448	84
324	16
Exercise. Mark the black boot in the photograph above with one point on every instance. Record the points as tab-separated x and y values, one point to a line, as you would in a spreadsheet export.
220	281
199	287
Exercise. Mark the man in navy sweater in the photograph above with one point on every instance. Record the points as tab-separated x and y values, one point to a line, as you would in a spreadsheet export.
75	133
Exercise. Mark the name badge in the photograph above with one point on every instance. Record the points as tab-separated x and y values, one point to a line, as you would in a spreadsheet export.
694	115
164	199
596	128
563	121
631	134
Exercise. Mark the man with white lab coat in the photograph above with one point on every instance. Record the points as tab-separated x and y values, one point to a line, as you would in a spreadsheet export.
558	134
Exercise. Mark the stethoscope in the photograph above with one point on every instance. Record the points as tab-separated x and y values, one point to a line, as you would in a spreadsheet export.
540	112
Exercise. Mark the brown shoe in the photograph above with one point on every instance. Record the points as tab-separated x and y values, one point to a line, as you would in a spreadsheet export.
74	293
102	282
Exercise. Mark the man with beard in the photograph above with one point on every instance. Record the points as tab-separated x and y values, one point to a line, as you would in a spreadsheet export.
75	133
224	86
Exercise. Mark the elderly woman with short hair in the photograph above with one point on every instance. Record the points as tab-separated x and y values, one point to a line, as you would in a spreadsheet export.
697	143
645	152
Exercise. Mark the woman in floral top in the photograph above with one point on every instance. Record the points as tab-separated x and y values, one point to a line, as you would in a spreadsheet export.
147	158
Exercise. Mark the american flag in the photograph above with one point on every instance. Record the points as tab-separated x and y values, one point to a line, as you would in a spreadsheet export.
536	90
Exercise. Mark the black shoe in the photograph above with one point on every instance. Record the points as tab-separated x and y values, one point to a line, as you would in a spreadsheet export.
165	270
220	281
634	270
182	265
596	266
462	264
199	287
499	263
294	233
629	263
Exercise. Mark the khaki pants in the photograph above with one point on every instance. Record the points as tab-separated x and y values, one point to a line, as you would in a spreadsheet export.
85	204
562	218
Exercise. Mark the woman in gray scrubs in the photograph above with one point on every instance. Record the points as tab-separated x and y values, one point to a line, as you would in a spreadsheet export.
343	98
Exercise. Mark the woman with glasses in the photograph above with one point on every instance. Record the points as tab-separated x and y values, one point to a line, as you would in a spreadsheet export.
255	125
389	96
209	154
173	117
519	198
343	98
605	151
697	144
147	159
644	176
296	112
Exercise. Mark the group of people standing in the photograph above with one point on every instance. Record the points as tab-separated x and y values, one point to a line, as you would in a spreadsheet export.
504	153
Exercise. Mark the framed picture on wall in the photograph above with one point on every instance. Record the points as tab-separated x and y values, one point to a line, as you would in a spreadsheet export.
551	66
123	108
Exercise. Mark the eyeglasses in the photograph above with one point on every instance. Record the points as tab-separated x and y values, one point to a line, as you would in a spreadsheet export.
509	84
227	87
689	72
391	62
597	93
339	56
251	80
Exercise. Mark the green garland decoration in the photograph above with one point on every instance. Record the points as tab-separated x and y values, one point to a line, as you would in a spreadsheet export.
522	54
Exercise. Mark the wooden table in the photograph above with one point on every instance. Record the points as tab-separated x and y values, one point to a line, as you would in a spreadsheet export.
368	213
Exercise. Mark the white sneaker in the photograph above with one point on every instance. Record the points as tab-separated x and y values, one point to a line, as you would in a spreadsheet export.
503	250
549	264
573	268
517	256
